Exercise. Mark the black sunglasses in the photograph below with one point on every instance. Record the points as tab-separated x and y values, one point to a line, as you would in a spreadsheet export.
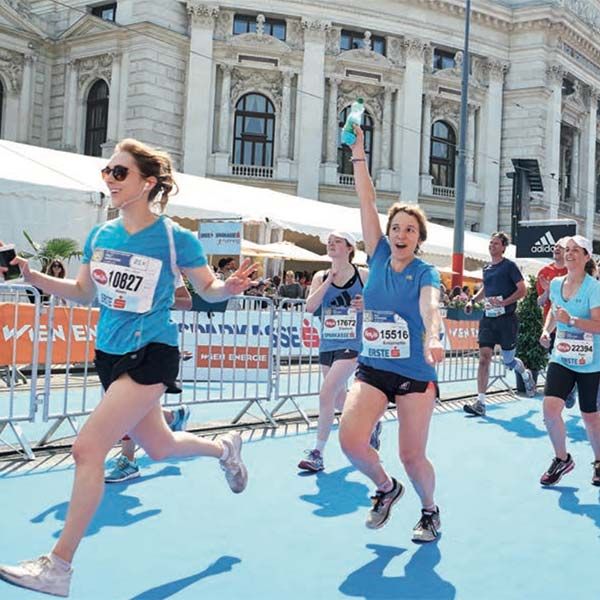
119	172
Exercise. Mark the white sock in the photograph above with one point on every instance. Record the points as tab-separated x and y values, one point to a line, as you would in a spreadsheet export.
320	446
481	398
386	486
63	564
225	454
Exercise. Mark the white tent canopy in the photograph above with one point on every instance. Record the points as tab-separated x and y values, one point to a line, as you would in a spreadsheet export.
59	194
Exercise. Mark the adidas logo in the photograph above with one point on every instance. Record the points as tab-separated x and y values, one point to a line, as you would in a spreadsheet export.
545	244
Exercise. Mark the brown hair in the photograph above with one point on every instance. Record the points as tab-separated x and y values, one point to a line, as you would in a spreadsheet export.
414	211
590	266
58	263
503	237
152	163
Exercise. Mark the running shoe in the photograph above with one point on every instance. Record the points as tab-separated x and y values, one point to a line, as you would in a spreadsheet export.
42	574
233	466
557	469
123	470
529	383
476	408
379	514
571	398
181	416
375	441
428	527
596	477
313	461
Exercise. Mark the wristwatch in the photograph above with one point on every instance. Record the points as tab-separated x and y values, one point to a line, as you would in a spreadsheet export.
572	321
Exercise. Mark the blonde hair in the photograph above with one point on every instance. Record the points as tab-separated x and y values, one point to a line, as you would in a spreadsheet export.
152	163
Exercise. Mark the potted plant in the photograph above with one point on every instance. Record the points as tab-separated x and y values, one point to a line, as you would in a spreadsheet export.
455	310
529	349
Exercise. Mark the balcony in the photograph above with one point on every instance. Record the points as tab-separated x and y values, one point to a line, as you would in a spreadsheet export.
444	192
252	172
346	179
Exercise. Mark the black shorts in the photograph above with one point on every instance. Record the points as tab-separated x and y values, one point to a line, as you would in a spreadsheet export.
500	330
154	363
392	384
560	381
328	358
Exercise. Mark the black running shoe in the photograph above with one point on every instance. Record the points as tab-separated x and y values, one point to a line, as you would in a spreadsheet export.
596	477
557	469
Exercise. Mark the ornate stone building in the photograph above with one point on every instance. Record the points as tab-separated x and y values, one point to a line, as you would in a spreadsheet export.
257	91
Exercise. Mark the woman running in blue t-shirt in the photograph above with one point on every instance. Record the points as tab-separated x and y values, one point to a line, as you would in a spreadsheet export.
337	295
131	265
400	347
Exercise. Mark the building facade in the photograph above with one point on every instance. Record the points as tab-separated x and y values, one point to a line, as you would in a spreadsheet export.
238	92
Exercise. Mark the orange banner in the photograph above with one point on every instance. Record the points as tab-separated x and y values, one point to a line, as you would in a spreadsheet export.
74	327
461	335
232	357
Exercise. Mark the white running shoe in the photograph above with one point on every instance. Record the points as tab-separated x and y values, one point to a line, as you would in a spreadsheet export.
41	574
233	466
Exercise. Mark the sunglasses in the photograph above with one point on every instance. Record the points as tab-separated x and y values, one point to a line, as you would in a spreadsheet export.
119	172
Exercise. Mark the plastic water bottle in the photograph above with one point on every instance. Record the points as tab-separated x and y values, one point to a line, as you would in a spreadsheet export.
354	118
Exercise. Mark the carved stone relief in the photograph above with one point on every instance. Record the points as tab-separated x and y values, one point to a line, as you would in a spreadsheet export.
253	80
332	45
554	74
348	91
11	66
294	34
315	29
446	110
394	50
415	48
94	67
202	14
224	25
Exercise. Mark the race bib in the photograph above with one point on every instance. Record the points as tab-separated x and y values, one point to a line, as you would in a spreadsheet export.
125	281
385	335
339	323
574	348
490	310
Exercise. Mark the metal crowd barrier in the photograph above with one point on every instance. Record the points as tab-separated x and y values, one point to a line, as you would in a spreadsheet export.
252	353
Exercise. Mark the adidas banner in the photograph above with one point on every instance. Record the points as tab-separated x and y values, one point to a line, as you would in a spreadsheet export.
536	239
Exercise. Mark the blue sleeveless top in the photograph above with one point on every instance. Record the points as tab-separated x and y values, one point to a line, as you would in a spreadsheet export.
340	297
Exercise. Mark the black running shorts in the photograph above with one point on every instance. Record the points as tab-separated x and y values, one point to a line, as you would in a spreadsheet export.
560	381
500	330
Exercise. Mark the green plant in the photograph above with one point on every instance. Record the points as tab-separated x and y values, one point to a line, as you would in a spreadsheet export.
52	249
529	313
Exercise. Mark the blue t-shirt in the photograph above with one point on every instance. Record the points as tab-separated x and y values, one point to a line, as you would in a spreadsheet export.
501	280
387	290
339	297
578	306
120	331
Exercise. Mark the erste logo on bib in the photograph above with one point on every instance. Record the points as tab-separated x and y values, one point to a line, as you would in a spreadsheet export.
100	276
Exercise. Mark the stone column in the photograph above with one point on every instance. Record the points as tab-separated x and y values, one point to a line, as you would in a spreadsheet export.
310	104
27	91
330	167
491	132
12	68
471	145
385	174
284	163
397	142
425	177
588	199
554	75
222	157
574	174
199	111
70	106
410	146
114	105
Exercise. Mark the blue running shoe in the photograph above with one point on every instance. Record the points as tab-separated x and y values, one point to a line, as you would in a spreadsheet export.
375	441
122	471
181	416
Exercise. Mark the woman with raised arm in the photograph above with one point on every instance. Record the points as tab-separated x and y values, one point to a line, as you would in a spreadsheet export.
575	359
400	348
131	264
336	294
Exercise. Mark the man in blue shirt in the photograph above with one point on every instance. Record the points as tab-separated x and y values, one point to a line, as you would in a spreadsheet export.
503	286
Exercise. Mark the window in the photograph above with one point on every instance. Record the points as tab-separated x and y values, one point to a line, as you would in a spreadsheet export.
247	24
106	12
254	131
344	152
351	40
443	152
443	59
96	119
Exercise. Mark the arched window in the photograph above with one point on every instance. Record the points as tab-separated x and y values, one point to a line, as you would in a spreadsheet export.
344	152
96	119
443	152
254	131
